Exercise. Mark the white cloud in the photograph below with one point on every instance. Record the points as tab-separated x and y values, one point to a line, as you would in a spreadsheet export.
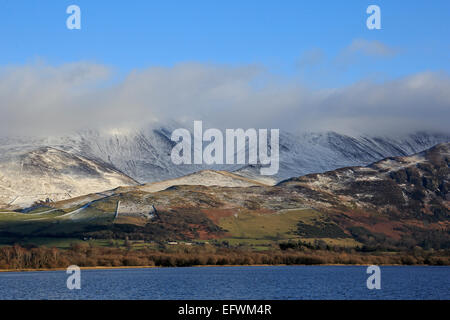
311	58
370	48
42	99
360	48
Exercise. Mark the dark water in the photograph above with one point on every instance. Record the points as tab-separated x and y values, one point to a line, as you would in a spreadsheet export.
285	282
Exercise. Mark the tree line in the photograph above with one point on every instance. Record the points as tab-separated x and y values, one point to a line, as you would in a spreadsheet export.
85	255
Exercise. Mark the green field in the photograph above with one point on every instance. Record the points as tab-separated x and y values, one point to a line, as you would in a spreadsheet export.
54	221
263	231
278	226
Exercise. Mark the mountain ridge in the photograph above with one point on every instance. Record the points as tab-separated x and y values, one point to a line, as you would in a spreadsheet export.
144	155
399	202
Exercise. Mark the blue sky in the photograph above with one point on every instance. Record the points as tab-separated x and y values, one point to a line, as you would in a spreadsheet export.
130	35
294	65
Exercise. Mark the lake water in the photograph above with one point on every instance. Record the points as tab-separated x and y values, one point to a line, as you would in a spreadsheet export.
279	282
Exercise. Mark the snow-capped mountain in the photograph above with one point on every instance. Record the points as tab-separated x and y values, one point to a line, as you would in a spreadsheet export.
318	152
145	155
48	174
93	161
395	202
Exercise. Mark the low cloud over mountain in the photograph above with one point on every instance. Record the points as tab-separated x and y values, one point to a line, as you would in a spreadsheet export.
44	99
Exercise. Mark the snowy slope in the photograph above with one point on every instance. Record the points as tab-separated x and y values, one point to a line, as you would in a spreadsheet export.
144	155
204	178
319	152
29	176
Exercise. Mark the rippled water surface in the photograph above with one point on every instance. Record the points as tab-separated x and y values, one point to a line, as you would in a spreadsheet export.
281	282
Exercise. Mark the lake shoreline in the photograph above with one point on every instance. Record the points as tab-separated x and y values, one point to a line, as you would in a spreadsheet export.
209	266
